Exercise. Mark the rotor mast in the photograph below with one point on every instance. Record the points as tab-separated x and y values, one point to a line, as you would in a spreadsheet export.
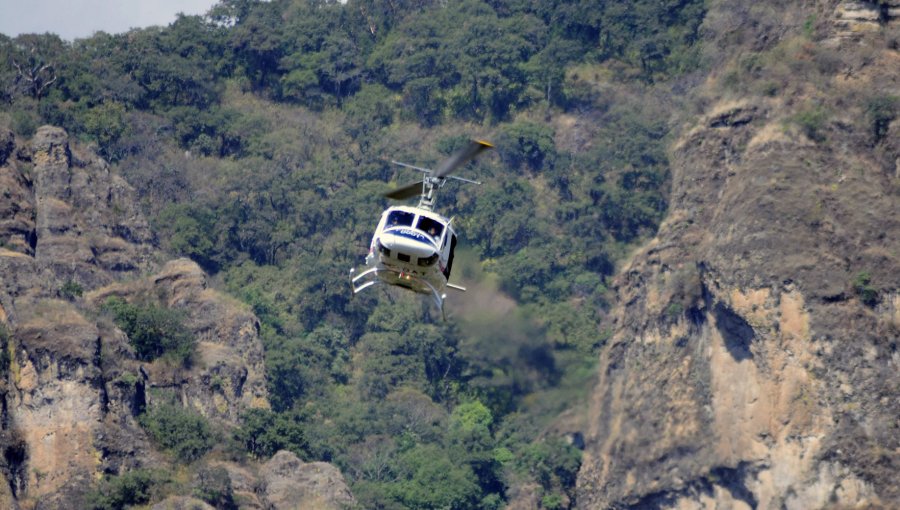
429	195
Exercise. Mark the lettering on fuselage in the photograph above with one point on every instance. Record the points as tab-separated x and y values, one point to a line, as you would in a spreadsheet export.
412	234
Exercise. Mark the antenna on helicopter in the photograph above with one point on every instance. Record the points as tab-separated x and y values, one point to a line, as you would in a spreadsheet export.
436	178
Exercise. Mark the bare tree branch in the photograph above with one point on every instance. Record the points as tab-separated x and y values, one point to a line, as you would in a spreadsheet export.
38	77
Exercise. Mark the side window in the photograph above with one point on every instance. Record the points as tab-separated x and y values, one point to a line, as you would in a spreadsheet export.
430	227
400	219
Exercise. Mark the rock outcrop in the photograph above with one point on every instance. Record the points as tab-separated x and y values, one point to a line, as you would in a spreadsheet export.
283	482
71	235
227	375
182	503
88	227
754	362
288	483
853	18
66	224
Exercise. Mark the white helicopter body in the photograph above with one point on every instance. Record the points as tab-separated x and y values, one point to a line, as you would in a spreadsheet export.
413	247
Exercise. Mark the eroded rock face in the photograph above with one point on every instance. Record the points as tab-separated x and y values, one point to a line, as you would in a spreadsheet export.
65	420
853	18
58	406
71	235
746	371
17	208
228	374
287	483
244	485
87	223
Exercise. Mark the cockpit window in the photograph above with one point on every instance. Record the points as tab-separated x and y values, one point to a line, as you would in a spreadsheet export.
430	227
400	219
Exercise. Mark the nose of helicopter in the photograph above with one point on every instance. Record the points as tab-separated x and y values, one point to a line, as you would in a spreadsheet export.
403	244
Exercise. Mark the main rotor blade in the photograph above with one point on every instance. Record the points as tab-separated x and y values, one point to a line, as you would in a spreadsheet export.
410	190
461	157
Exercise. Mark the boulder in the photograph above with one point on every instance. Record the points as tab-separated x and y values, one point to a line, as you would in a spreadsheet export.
182	503
288	483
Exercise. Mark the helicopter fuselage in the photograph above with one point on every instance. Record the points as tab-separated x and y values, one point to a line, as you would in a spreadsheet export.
413	248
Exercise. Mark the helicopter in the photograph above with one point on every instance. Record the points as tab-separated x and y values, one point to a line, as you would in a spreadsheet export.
413	247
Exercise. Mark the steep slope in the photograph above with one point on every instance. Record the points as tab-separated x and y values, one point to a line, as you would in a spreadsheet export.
754	362
71	386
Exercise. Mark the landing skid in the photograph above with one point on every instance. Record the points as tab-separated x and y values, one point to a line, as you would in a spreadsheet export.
369	277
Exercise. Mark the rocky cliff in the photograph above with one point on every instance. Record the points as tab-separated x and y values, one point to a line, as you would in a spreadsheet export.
71	388
67	223
754	362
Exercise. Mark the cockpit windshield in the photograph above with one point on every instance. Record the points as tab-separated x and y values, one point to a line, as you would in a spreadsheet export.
430	227
400	219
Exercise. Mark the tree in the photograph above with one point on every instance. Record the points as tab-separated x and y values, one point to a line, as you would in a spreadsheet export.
428	478
553	463
184	433
881	110
33	60
133	487
263	433
106	124
526	143
191	232
153	331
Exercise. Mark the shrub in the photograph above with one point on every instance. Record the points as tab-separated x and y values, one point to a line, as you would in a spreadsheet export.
152	330
881	110
184	433
553	464
552	502
528	143
812	122
263	433
118	492
71	290
862	285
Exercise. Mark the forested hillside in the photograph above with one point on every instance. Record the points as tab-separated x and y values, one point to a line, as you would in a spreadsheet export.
258	139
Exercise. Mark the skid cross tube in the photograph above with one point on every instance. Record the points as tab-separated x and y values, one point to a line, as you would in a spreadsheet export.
369	277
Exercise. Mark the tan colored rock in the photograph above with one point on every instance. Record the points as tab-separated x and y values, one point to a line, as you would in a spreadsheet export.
55	397
857	11
182	503
526	497
228	372
244	485
87	226
230	357
74	388
287	483
775	386
17	207
853	18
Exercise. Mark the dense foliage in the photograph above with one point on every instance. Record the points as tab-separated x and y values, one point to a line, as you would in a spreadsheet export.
119	492
258	136
184	433
152	330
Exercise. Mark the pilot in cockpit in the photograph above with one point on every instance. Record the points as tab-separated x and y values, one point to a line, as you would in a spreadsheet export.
431	227
400	218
